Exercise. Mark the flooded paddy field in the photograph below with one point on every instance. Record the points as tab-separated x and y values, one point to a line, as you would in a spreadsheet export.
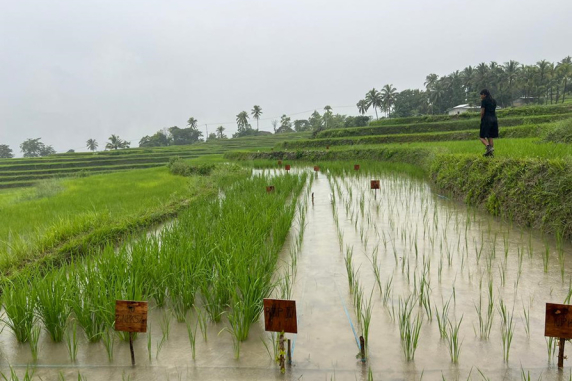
438	291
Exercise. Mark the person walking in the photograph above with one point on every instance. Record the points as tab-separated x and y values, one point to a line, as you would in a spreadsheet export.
489	122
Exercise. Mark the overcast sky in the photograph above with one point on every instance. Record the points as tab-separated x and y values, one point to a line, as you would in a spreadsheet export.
71	70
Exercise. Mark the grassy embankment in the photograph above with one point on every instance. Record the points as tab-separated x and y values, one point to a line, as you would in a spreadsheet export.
529	181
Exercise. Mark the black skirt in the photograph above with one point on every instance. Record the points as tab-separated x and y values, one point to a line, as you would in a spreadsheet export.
489	127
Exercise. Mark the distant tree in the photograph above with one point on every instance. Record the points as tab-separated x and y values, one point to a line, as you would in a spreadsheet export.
362	106
301	125
220	132
564	71
71	151
256	113
5	152
274	125
184	136
356	121
115	142
315	121
159	139
410	103
35	148
373	99
285	125
388	94
212	136
192	122
242	121
92	145
327	115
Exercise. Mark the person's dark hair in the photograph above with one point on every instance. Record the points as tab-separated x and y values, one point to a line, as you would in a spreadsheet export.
486	93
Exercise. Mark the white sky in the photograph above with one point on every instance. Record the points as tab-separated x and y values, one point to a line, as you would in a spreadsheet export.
71	70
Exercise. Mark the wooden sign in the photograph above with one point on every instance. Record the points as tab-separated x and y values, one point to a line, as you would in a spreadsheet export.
131	316
558	321
374	184
270	188
280	315
356	167
287	167
279	162
316	168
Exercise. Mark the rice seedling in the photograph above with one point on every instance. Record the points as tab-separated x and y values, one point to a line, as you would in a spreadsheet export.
192	334
149	342
33	341
71	341
546	256
526	319
365	313
442	319
13	376
108	339
453	340
409	328
349	267
165	325
550	347
507	329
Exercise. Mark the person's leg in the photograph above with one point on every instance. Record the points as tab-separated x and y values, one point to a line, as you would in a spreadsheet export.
491	142
484	141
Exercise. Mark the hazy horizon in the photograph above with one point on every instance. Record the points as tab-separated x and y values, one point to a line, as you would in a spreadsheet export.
72	71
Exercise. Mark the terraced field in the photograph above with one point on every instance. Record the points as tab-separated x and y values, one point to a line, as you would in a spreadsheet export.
26	172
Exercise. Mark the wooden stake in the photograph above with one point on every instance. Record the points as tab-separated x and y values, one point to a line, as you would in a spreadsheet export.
312	198
281	348
289	352
561	353
362	348
131	348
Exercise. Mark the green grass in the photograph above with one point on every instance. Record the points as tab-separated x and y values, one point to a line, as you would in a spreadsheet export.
39	219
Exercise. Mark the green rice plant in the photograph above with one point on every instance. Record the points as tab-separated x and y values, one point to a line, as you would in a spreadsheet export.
550	347
453	340
192	334
53	308
526	319
149	342
33	341
409	328
19	300
108	339
365	313
71	341
349	267
485	313
388	291
442	319
166	325
507	329
546	256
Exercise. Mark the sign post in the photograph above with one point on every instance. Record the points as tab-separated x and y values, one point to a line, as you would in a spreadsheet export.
375	186
287	167
356	167
131	316
270	188
558	323
280	316
316	168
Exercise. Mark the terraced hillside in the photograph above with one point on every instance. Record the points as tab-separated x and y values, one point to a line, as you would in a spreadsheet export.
27	171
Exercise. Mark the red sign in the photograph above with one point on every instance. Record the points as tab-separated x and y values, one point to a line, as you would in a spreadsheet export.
131	316
558	321
316	168
374	184
356	167
270	188
280	315
287	167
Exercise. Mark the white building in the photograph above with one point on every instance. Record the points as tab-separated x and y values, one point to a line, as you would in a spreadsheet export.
462	108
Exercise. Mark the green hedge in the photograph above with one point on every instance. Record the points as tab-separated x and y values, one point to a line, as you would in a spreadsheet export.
458	125
533	192
510	132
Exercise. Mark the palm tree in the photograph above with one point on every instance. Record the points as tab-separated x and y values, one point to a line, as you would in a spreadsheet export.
373	99
564	70
115	142
327	114
92	145
468	76
542	70
219	131
192	122
511	69
242	121
256	112
388	94
362	106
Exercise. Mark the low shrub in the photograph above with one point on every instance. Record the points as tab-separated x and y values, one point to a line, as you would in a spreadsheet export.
562	133
177	166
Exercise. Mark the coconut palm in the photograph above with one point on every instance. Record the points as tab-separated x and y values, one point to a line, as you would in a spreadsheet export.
92	145
242	121
256	112
362	106
115	142
327	114
373	99
192	122
564	71
511	68
220	132
388	94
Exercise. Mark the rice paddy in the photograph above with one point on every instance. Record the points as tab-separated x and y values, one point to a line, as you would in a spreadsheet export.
437	290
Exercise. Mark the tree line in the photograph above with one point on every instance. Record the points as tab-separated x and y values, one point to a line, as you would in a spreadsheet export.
542	83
